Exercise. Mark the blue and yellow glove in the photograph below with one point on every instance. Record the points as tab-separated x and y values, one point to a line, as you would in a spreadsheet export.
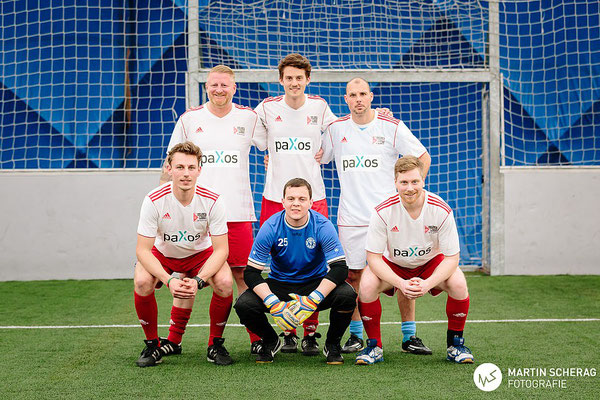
306	305
282	315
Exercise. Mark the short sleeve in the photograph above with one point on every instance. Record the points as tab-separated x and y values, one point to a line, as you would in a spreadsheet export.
328	118
262	245
330	242
376	234
448	236
327	146
217	218
259	136
406	143
148	223
178	135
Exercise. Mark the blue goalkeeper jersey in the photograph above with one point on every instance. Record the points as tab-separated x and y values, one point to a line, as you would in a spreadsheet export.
297	254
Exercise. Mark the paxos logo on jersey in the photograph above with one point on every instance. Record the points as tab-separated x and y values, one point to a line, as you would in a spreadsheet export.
311	243
360	163
181	236
221	158
293	145
412	252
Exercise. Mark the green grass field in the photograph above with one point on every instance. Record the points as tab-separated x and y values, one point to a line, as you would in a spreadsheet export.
99	362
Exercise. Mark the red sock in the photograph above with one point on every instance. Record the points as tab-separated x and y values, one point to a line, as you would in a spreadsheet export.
179	320
147	312
219	310
371	318
457	311
311	323
253	336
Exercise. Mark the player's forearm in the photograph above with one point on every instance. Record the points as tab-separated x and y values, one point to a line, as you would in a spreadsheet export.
426	160
382	270
326	286
444	270
152	265
262	290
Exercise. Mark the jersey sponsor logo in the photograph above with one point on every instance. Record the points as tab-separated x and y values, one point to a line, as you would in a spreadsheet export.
278	119
166	216
199	130
311	243
221	158
312	120
199	217
431	229
412	252
395	229
293	145
181	236
239	130
360	163
378	139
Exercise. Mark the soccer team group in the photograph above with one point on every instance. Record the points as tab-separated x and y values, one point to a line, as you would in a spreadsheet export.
394	236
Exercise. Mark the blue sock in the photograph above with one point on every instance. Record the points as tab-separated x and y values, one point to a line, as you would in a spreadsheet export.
409	328
356	328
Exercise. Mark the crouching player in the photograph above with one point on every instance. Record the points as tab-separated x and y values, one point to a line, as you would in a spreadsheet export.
173	236
412	248
308	273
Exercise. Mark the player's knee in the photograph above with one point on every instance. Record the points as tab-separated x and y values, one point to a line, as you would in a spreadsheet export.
368	288
248	305
143	286
457	286
222	284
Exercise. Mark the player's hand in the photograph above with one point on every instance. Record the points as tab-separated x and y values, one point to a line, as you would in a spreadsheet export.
319	155
280	310
266	161
306	305
180	289
423	285
409	289
385	112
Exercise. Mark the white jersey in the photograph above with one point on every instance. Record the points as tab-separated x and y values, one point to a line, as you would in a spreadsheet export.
294	137
364	157
182	231
410	242
225	143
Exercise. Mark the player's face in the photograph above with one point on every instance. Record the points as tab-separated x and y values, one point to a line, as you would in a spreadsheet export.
296	203
220	88
358	97
184	171
410	186
294	81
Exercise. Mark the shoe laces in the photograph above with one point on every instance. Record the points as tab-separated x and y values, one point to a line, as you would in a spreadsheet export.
219	349
463	349
417	341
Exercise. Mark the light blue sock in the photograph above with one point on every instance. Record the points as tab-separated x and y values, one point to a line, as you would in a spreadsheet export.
409	328
356	328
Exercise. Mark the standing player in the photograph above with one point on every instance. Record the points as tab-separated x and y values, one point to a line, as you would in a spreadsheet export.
412	248
308	268
294	124
365	145
225	132
173	236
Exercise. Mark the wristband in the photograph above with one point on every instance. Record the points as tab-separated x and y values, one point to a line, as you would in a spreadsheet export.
169	281
200	282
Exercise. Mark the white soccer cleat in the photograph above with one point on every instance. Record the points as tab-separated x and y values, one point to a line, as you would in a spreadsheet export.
371	354
459	353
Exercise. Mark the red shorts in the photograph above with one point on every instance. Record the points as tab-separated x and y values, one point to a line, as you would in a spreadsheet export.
190	266
239	235
423	272
268	208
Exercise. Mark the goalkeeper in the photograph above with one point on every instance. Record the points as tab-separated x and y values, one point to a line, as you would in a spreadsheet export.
308	273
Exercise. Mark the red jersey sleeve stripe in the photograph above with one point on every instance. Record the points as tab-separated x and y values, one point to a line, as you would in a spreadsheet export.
388	119
159	196
160	193
344	118
439	204
391	201
206	193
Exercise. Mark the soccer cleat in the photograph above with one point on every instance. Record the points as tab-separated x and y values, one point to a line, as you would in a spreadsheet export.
268	351
290	342
256	346
415	345
353	344
309	344
151	354
459	353
333	352
371	354
217	353
168	348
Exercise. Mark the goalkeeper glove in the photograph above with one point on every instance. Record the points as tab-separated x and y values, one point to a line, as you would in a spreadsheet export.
306	305
282	315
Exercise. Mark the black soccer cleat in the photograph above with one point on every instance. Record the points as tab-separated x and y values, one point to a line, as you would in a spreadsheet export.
217	353
151	354
333	352
268	351
309	344
290	342
256	346
168	348
415	345
353	344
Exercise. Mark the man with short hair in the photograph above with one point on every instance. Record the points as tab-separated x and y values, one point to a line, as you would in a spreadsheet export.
182	228
413	248
307	274
365	146
225	131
